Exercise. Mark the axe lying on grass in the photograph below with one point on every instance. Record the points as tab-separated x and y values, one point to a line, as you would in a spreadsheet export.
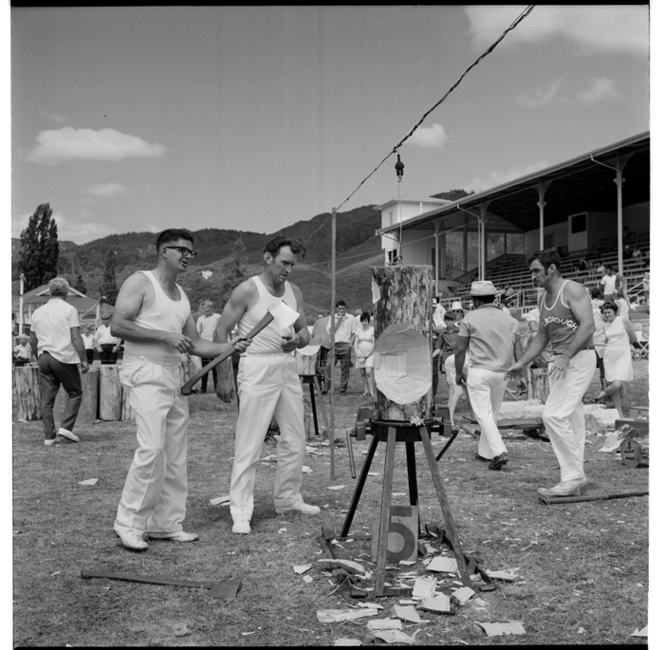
279	312
222	589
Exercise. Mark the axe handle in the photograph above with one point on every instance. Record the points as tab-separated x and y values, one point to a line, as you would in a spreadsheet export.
261	325
153	581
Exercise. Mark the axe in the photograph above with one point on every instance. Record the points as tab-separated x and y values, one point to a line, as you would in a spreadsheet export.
279	312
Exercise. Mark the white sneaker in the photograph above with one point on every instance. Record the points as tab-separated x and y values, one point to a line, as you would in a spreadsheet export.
242	527
132	541
51	441
65	433
301	507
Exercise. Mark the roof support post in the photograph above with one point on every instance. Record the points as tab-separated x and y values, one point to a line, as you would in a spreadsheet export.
481	221
437	256
618	165
541	189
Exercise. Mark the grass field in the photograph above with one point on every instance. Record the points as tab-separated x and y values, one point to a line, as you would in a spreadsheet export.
583	568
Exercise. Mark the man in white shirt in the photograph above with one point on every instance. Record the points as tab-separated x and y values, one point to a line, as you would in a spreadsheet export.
609	282
344	337
107	344
56	341
206	325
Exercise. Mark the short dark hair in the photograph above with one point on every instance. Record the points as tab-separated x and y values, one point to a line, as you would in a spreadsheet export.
277	243
340	303
173	234
546	258
485	300
365	316
610	305
596	293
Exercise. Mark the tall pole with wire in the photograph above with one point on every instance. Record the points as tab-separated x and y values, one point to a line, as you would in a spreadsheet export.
331	357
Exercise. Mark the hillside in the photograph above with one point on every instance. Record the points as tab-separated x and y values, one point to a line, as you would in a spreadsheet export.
357	249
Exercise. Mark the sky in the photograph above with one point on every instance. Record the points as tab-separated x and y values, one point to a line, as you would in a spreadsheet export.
253	118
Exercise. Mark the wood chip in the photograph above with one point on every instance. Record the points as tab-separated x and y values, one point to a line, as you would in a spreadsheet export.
406	613
348	565
340	615
89	481
307	579
348	642
336	487
463	595
394	636
218	501
370	605
440	604
443	564
306	469
424	588
385	624
643	632
301	568
503	629
502	575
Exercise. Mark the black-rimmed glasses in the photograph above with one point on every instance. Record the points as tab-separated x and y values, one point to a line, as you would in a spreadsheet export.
184	251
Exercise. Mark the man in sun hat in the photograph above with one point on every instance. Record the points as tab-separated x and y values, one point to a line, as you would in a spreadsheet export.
490	337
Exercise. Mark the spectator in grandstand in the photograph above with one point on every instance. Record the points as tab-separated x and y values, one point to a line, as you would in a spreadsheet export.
599	269
618	333
599	340
22	353
637	254
609	282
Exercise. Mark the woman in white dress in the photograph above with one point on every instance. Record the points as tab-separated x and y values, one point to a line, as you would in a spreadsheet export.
364	352
618	333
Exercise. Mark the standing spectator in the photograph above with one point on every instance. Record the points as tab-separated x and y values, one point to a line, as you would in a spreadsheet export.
438	318
56	341
364	353
618	333
344	335
268	385
320	336
609	283
153	315
22	353
89	342
490	336
107	344
646	288
206	325
599	340
566	320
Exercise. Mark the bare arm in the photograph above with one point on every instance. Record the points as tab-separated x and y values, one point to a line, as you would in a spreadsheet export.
460	356
79	346
133	294
535	347
33	344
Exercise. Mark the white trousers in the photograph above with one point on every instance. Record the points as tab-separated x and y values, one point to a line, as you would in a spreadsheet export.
564	417
486	390
155	492
267	386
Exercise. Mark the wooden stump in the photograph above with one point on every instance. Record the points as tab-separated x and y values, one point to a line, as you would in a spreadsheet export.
26	393
540	383
87	414
406	294
110	393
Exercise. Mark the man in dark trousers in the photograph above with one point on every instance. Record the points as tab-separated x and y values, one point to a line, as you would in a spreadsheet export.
344	326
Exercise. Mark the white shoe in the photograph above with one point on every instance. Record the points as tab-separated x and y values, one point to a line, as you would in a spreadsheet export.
565	488
301	507
178	536
242	527
51	441
132	541
65	433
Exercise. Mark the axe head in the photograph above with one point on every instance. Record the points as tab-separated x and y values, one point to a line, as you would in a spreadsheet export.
283	315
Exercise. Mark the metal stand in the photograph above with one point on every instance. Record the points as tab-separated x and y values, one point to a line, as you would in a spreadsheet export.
312	380
392	432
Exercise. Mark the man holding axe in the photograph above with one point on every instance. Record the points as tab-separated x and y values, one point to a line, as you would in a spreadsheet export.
268	383
153	316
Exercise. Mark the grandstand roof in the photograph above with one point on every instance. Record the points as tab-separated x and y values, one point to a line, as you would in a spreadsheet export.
581	184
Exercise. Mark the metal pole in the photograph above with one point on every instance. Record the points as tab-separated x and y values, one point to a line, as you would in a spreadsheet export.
331	359
619	182
21	281
437	258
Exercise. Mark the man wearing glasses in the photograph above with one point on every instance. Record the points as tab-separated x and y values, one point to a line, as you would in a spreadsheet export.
152	315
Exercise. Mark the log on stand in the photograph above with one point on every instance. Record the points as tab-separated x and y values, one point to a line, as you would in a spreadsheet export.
26	393
110	393
87	414
406	294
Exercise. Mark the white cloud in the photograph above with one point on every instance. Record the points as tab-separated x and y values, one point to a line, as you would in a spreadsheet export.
540	97
600	89
599	28
503	176
19	224
67	143
107	189
429	137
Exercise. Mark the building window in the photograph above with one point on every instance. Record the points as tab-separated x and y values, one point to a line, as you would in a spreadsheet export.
578	223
